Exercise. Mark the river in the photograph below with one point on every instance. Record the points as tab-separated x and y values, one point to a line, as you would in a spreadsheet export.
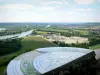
23	34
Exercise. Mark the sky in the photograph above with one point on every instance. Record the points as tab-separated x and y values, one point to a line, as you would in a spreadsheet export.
49	10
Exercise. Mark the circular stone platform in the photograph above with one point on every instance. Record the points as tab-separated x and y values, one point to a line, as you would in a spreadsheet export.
50	61
63	49
43	60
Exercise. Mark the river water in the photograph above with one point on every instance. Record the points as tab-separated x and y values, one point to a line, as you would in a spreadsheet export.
23	34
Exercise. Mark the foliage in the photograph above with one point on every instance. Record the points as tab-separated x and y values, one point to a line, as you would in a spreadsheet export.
94	41
9	46
81	45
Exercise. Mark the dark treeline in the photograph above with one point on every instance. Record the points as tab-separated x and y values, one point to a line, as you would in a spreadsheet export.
81	45
8	51
69	34
9	46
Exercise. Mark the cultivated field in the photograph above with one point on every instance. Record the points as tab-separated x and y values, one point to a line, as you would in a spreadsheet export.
65	39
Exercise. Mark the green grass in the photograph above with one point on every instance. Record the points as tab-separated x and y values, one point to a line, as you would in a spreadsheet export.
84	32
28	44
54	30
41	32
95	47
34	42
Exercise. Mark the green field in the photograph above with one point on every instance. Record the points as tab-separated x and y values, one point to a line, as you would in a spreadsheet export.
95	47
34	42
83	32
41	32
54	30
28	44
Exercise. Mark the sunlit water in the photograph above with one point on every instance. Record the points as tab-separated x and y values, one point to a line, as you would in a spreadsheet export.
23	34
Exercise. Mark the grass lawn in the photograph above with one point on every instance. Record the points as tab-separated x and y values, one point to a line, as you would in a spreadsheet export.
95	47
28	44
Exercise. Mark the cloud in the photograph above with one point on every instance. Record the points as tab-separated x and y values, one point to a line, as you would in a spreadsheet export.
42	13
84	1
53	2
24	12
16	6
43	8
83	10
26	7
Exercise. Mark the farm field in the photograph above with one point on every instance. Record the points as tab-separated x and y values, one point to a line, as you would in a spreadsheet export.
84	32
41	32
28	44
67	40
54	30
